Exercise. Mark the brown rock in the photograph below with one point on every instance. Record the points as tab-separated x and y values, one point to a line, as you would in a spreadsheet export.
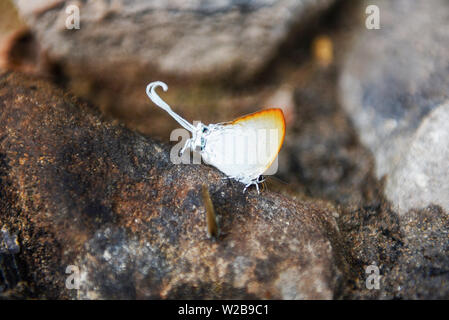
78	190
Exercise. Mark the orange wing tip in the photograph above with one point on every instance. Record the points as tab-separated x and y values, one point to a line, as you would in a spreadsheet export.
276	113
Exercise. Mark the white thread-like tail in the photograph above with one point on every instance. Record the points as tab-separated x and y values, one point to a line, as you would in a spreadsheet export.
161	104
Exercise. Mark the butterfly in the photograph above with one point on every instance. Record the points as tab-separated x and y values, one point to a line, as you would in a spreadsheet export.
243	149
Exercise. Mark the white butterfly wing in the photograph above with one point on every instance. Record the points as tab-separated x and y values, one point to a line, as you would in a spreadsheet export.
245	148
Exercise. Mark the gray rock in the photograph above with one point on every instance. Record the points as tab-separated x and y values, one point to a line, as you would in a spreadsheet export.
422	175
182	38
392	78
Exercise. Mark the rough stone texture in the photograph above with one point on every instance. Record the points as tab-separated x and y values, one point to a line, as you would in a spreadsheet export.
411	252
373	236
422	175
422	269
391	79
77	190
174	37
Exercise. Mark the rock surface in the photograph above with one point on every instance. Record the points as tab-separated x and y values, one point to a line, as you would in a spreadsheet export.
422	268
410	251
81	191
391	80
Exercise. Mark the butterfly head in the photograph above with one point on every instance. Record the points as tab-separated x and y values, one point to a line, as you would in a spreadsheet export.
199	134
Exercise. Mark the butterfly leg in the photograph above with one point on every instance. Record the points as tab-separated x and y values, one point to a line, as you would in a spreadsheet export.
251	183
257	187
187	145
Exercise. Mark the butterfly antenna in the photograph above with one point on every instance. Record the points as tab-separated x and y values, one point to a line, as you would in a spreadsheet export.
276	179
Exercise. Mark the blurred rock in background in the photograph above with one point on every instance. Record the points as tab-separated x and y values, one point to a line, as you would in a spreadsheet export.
421	176
123	45
11	29
391	80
